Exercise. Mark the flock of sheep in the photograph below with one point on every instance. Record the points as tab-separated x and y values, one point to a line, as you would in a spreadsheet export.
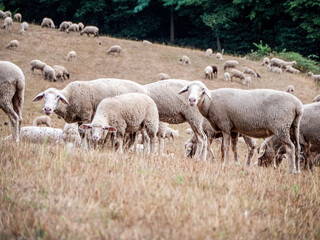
120	113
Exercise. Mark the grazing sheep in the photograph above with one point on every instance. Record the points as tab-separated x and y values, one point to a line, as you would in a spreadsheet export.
173	109
8	14
127	113
290	69
227	77
37	64
215	71
219	56
64	26
7	23
316	78
58	73
163	76
208	72
70	134
71	56
146	42
237	74
78	101
230	64
2	14
17	17
47	22
266	61
49	73
80	26
24	27
257	113
286	64
65	73
277	62
114	49
246	81
274	69
42	120
73	28
209	53
316	98
165	132
12	87
251	72
290	89
14	44
90	30
185	60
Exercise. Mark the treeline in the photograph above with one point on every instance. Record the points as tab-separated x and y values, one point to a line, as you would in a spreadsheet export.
233	25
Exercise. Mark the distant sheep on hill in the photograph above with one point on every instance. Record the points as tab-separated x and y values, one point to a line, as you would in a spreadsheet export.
2	14
24	27
42	120
266	61
316	78
274	69
47	22
71	57
227	77
114	49
80	26
209	53
90	30
73	28
185	60
64	26
290	69
208	72
290	89
37	64
17	17
251	72
7	23
49	73
14	44
219	56
163	76
230	64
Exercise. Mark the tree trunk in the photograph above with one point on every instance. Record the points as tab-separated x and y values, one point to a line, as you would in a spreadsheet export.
218	43
171	25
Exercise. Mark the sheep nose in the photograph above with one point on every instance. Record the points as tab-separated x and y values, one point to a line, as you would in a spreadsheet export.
192	100
47	110
95	138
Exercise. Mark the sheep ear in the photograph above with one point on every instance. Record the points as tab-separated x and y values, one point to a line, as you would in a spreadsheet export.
38	97
188	149
261	153
63	99
85	126
109	128
207	92
184	89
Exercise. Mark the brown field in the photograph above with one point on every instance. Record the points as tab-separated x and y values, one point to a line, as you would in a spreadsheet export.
47	192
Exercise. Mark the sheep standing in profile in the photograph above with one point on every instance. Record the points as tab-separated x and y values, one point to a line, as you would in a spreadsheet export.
24	27
114	49
251	72
290	89
209	53
208	72
37	64
47	22
14	44
71	57
7	23
90	30
237	74
17	17
316	78
230	64
12	87
219	56
163	76
290	69
185	60
42	120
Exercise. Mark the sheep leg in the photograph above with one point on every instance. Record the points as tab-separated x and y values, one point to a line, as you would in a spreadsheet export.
234	142
290	150
251	145
161	145
201	144
225	147
296	126
210	151
14	119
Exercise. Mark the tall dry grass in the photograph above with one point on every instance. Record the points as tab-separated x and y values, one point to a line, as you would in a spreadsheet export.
47	192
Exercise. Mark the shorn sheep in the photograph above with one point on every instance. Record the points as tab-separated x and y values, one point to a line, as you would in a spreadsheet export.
127	113
78	101
17	17
71	57
47	22
230	64
163	76
24	27
49	73
90	30
42	120
14	44
114	49
208	72
209	53
37	64
257	113
12	87
316	78
7	23
185	60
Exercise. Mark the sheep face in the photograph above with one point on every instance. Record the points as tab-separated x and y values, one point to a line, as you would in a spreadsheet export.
51	99
97	130
196	91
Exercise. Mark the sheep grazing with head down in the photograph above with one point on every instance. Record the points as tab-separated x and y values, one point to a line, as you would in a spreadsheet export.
80	26
127	113
7	23
12	87
219	56
48	23
209	53
64	26
37	64
73	28
14	44
42	120
274	69
316	78
208	72
17	17
237	74
24	27
163	76
290	69
185	60
257	113
62	72
230	64
2	14
49	73
266	61
290	89
72	56
114	49
90	30
251	72
8	14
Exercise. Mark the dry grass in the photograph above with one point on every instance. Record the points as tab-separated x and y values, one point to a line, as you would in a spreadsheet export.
47	192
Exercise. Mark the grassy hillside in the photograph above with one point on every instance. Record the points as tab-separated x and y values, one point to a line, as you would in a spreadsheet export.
50	193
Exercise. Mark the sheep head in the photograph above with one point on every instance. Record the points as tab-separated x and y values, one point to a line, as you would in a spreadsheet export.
97	130
196	91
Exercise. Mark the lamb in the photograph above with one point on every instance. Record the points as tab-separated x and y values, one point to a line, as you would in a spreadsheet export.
227	77
24	27
7	23
73	28
316	78
256	113
163	76
247	81
80	26
42	120
290	69
8	14
266	61
164	131
64	26
47	22
37	64
208	72
12	88
71	56
49	73
219	56
237	74
173	109
70	134
290	89
185	60
274	69
251	72
65	73
17	17
209	53
114	49
58	73
90	30
316	98
127	113
230	64
14	44
2	14
78	101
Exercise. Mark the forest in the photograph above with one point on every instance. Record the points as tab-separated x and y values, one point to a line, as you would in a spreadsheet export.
236	26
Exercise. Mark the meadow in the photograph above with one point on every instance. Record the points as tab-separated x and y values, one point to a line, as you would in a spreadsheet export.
48	192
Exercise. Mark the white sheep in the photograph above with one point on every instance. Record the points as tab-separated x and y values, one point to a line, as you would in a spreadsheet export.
251	72
49	73
37	64
163	76
266	61
47	22
2	14
70	134
291	64
290	89
8	14
14	44
165	132
114	49
185	60
127	113
17	17
219	56
73	28
316	78
208	72
42	120
90	30
290	69
12	87
147	42
274	69
276	62
58	73
258	113
227	77
209	53
230	64
65	74
316	98
247	81
7	23
237	74
64	26
71	57
24	27
80	26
